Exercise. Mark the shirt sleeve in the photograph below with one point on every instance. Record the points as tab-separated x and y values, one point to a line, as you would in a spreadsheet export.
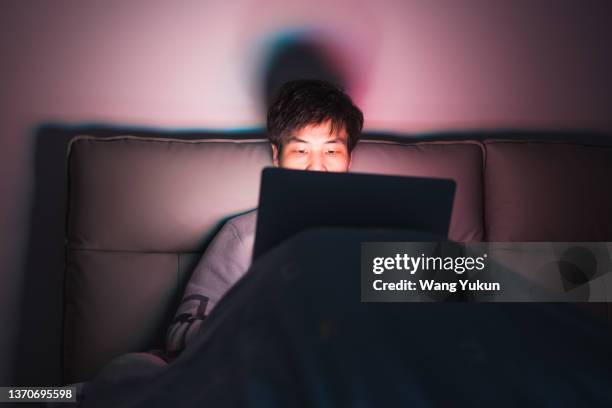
223	263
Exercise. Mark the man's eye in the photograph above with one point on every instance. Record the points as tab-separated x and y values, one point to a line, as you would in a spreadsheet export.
331	152
301	151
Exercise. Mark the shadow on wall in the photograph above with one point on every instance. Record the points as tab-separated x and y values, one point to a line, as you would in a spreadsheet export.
297	55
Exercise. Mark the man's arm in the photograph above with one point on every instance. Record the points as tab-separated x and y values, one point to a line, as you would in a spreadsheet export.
223	263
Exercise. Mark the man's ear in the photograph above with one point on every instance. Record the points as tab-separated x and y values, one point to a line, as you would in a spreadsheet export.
274	155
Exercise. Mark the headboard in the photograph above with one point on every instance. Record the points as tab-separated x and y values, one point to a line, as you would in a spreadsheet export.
142	210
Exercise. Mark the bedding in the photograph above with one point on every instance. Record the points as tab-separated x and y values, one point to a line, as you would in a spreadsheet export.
293	332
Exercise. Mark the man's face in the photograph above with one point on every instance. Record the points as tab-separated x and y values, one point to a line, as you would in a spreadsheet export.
314	147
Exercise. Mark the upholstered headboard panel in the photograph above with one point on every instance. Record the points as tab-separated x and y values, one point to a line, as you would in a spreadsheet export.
547	191
141	211
458	160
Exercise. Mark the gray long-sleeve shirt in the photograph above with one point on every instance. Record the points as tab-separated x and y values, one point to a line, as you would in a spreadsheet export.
226	259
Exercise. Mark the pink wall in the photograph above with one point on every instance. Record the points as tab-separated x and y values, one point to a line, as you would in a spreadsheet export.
411	65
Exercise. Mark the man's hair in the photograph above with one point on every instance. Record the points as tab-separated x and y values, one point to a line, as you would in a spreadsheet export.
306	102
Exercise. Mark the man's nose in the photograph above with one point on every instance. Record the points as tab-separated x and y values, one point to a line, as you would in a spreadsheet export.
316	163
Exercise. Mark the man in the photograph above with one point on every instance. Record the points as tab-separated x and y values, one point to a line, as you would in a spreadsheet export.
312	125
304	339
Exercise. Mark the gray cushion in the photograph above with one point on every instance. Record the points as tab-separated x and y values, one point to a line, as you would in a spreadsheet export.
141	211
461	161
547	191
158	195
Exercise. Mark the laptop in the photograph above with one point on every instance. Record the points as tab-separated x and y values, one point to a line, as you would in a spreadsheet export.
291	201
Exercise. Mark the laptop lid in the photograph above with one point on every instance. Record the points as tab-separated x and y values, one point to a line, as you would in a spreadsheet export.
293	200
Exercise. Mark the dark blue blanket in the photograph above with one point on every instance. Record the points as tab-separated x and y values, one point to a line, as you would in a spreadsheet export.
293	333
